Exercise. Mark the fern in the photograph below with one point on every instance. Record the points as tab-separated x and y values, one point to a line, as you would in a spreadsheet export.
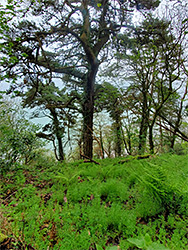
145	242
155	181
66	180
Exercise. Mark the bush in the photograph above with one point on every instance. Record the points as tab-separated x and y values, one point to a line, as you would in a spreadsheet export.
18	140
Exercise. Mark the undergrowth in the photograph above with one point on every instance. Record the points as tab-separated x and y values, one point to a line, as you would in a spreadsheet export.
137	204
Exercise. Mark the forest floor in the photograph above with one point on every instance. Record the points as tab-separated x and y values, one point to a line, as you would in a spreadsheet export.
117	205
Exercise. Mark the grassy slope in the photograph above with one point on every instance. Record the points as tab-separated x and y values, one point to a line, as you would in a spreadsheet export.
87	206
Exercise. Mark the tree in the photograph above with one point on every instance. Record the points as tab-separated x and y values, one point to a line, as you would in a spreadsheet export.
18	140
109	98
54	103
67	38
6	15
155	57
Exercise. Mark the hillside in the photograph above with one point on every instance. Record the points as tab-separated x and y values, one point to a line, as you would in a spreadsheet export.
120	204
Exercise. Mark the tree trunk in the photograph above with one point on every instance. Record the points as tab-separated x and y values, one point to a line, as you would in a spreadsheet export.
88	111
179	118
101	141
60	148
177	125
143	132
161	135
58	134
128	143
117	124
142	136
151	143
118	140
144	123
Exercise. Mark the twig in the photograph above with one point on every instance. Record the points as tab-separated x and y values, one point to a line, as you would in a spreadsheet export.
9	195
84	156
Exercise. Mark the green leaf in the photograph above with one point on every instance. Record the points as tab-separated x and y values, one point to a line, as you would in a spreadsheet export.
139	242
147	239
98	247
112	248
24	55
99	5
157	246
2	237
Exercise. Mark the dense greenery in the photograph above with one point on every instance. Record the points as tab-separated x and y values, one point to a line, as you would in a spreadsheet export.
53	55
18	140
119	204
111	90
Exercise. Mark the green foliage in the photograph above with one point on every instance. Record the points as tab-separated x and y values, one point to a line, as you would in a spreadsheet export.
18	141
181	148
2	237
112	206
146	243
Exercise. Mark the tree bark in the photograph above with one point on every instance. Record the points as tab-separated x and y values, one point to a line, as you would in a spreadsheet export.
58	134
173	138
179	118
118	139
151	143
88	111
128	143
101	140
144	123
143	135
